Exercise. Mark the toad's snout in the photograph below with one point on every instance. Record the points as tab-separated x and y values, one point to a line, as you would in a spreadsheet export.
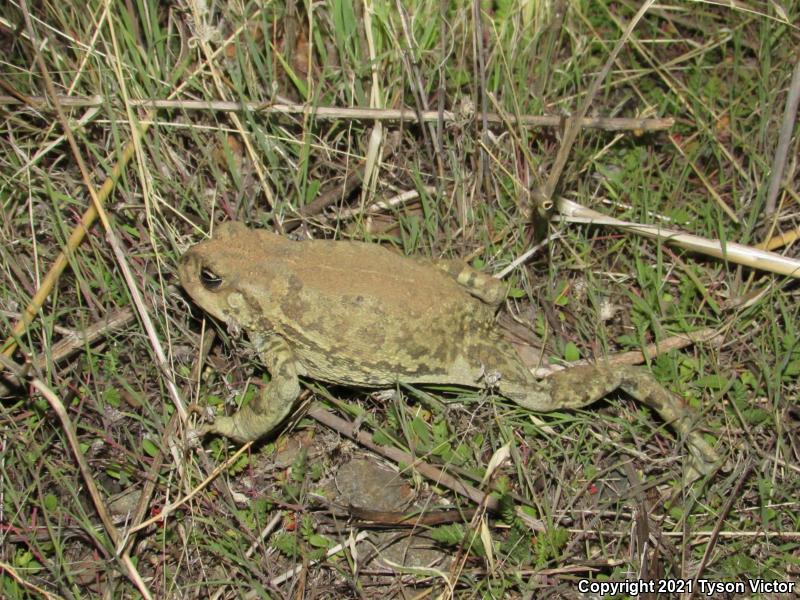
188	268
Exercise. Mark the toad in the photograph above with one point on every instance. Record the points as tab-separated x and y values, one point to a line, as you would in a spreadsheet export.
355	313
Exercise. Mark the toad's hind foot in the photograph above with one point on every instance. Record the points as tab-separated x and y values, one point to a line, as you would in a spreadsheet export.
580	386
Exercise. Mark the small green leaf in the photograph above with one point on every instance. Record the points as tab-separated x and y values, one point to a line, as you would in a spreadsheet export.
299	465
571	352
240	465
443	451
150	448
50	502
792	369
676	512
748	379
320	541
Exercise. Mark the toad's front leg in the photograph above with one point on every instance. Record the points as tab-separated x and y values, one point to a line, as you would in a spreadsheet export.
273	404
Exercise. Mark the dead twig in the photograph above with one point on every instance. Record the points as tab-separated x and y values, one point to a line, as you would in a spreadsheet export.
363	114
748	256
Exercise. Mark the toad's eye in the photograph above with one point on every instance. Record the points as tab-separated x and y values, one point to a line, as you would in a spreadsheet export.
210	280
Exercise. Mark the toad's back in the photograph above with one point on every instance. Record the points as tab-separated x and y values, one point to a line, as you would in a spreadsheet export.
350	311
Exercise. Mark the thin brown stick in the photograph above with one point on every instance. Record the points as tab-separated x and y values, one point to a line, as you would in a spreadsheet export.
784	138
675	342
635	357
77	340
362	114
435	474
72	342
695	537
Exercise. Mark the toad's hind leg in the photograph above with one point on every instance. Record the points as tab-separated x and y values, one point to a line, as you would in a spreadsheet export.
484	287
265	412
577	387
